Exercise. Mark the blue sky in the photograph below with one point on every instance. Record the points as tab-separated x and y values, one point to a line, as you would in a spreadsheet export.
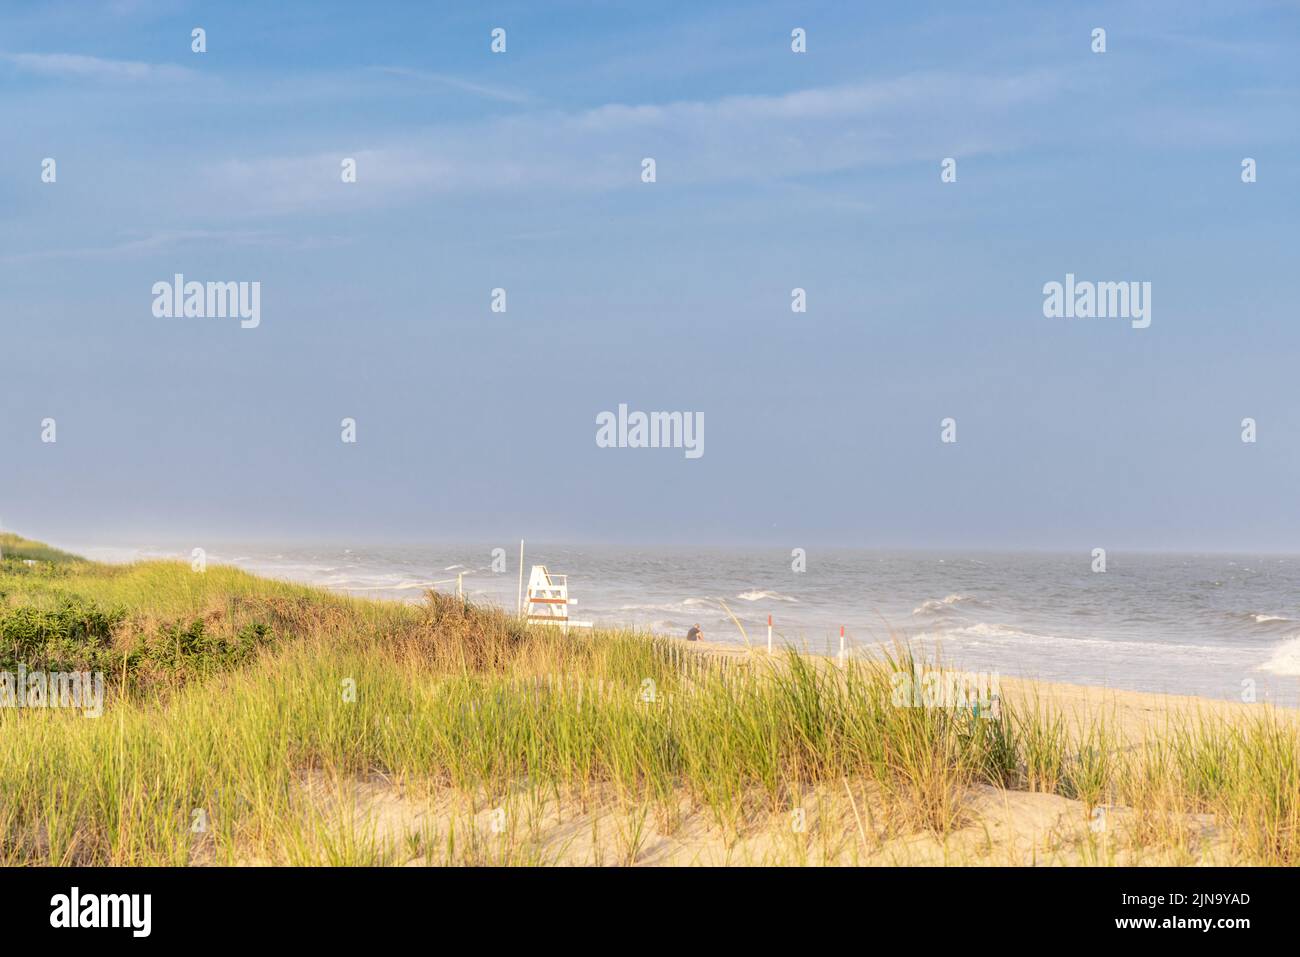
775	170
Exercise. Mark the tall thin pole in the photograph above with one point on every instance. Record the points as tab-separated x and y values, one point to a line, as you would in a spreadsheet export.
519	603
769	634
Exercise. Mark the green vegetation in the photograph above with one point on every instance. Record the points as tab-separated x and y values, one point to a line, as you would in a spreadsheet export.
246	716
14	548
143	625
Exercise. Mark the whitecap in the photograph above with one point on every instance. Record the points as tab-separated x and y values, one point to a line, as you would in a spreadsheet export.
940	604
756	595
1285	659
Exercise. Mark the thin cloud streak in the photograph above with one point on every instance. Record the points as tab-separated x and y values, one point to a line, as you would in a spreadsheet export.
167	239
456	83
746	138
79	66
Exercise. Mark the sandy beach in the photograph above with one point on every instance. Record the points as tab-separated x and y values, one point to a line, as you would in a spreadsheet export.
1132	714
1001	827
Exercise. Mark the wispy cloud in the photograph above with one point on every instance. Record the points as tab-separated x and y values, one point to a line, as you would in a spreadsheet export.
79	66
171	238
457	83
729	139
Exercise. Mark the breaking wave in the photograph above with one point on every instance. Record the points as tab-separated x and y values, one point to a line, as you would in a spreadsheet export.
945	604
756	595
1285	659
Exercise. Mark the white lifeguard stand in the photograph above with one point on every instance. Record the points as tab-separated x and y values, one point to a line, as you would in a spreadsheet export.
548	600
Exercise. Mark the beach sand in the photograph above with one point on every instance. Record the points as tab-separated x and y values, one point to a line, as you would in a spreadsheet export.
1131	714
830	826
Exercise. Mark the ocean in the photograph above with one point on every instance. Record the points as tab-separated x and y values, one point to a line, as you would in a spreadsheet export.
1220	626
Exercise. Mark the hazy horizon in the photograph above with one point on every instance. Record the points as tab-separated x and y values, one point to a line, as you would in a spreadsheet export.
172	543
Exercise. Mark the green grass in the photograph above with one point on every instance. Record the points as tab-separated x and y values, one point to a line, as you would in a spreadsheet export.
231	694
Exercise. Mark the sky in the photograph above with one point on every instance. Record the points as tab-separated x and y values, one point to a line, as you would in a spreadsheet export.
774	170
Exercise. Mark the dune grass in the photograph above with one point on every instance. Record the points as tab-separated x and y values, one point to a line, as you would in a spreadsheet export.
242	711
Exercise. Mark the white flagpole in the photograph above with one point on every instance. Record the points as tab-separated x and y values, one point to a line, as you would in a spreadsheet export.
519	603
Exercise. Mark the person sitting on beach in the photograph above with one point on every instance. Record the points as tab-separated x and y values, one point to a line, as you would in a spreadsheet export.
695	634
